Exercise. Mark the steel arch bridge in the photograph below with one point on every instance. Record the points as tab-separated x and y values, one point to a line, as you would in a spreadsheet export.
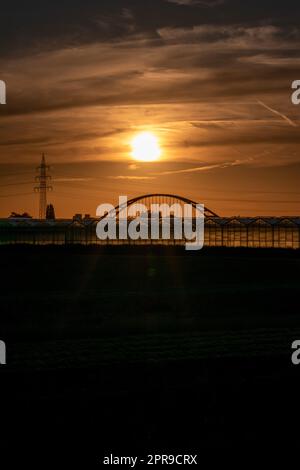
160	198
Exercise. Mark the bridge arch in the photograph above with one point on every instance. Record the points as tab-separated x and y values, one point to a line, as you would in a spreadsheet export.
161	198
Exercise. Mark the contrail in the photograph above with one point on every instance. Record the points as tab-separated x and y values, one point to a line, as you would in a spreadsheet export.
200	168
283	116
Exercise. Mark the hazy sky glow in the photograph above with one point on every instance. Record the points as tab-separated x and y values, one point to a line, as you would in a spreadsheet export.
211	79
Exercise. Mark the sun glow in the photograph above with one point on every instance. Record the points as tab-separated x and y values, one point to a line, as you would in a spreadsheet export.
145	147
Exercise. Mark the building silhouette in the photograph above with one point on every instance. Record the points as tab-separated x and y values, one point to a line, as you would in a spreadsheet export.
50	212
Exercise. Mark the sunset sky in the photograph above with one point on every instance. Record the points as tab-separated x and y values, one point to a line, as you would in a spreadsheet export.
210	79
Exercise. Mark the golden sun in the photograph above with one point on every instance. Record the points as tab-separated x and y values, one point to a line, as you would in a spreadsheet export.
145	147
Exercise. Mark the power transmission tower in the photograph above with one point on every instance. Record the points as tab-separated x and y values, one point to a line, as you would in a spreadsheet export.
43	186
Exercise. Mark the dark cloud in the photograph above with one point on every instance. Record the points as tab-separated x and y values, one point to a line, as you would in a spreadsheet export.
205	3
34	26
249	62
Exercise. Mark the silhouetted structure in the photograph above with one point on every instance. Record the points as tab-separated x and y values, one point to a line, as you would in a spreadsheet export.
43	187
256	232
50	212
15	215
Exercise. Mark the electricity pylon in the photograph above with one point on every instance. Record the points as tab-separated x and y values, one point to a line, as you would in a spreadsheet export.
43	186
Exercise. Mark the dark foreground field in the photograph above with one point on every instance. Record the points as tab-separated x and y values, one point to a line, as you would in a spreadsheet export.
131	352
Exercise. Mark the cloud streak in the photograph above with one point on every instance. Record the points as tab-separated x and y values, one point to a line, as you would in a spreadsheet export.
202	168
125	177
277	113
